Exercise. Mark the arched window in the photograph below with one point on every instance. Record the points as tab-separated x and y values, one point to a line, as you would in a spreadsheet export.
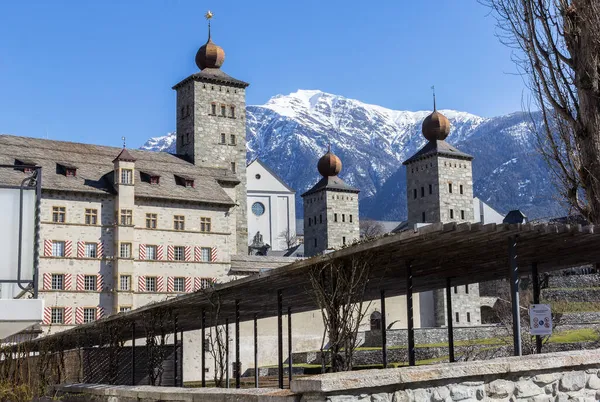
375	321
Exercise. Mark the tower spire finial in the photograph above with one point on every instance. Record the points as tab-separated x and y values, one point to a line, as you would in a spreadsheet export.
329	147
124	143
208	16
433	90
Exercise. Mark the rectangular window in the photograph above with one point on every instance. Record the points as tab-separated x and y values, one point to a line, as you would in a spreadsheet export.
422	191
150	284
126	217
462	214
178	284
232	112
233	168
456	289
205	283
57	315
70	172
232	140
124	309
58	248
320	218
457	318
461	188
350	218
58	281
415	193
315	243
430	189
205	225
179	253
309	221
91	216
344	240
126	176
125	250
223	110
466	289
89	315
59	214
343	217
468	317
179	222
150	252
91	250
335	217
89	282
154	179
450	187
451	214
151	220
423	217
213	109
125	282
205	254
223	138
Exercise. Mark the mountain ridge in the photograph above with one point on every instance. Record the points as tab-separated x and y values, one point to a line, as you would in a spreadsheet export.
290	133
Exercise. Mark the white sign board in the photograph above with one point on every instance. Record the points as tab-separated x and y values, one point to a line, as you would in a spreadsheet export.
9	239
540	319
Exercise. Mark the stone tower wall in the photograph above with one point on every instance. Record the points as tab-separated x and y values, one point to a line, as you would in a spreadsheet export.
315	208
423	192
342	218
457	172
200	137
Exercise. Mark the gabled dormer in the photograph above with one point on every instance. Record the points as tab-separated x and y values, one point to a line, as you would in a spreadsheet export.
150	177
66	169
124	165
27	165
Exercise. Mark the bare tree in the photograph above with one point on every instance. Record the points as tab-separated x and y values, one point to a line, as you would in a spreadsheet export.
217	340
339	290
558	43
289	237
370	228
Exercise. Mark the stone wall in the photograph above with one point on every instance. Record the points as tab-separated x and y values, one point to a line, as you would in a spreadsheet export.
571	295
574	281
425	336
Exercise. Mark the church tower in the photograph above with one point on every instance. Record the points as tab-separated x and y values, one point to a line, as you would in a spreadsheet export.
439	188
211	124
330	210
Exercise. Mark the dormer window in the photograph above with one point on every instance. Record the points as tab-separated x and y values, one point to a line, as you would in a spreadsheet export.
150	177
184	181
126	176
66	169
70	172
21	162
189	183
154	179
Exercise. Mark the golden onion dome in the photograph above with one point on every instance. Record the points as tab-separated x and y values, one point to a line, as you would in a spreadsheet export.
210	55
329	164
436	126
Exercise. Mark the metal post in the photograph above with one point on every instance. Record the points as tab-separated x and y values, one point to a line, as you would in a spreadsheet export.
256	350
514	293
181	360
175	381
383	331
450	319
409	314
280	337
203	356
227	352
237	344
290	359
536	300
133	353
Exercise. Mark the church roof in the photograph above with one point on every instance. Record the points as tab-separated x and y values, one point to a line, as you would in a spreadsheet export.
213	76
271	172
438	147
95	170
331	183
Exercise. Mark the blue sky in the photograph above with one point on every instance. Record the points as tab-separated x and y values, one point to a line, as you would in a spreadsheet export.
95	71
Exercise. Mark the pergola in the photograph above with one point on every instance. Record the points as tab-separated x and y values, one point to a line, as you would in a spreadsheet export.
436	256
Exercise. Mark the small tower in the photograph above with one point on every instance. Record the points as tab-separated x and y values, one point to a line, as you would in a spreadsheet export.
330	209
439	177
211	124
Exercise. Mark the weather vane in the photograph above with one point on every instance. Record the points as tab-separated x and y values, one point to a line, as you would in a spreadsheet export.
123	138
208	17
433	90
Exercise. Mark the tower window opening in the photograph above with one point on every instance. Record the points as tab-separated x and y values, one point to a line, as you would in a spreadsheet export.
232	140
344	240
233	169
223	110
213	109
430	189
335	217
350	217
423	217
455	290
309	221
461	189
223	138
415	193
466	289
232	112
450	188
457	317
468	317
320	218
462	214
315	243
422	191
451	214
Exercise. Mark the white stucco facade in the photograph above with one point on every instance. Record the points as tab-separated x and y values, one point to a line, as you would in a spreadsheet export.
271	206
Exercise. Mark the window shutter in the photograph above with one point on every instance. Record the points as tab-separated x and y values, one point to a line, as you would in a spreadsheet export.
80	249
79	282
47	283
100	250
68	248
47	248
213	254
68	281
47	315
159	252
188	253
170	253
170	284
197	254
79	315
160	283
197	283
99	283
141	284
99	313
68	315
142	252
188	284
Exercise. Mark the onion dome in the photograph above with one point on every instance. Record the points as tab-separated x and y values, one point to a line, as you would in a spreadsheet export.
436	126
210	55
329	164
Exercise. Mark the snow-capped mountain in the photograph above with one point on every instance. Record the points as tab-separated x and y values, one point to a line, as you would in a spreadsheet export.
291	132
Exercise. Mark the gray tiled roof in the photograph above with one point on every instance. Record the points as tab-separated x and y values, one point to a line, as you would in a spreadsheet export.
437	148
331	183
215	76
95	170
